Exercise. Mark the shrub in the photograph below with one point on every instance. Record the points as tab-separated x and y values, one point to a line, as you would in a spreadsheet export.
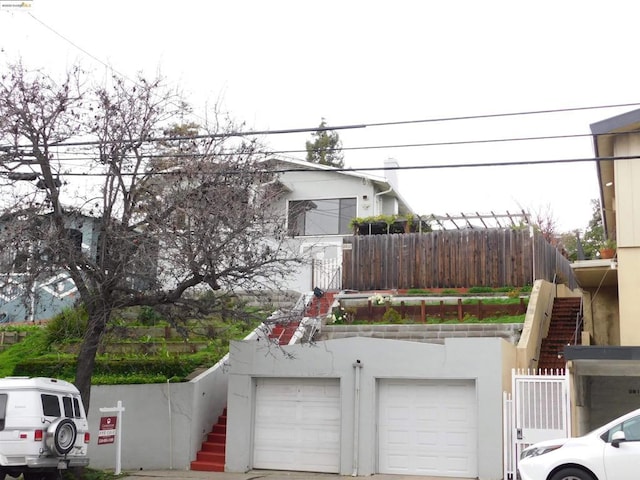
392	316
418	291
148	316
70	324
480	289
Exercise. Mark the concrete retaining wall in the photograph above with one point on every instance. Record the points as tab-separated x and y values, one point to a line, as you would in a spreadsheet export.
425	333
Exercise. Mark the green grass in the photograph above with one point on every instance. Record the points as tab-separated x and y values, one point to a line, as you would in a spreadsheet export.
43	351
34	345
495	301
505	319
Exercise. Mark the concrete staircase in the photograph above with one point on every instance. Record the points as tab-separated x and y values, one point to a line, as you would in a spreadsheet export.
320	306
562	331
211	456
282	333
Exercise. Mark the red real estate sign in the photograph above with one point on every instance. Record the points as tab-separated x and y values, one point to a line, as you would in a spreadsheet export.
107	432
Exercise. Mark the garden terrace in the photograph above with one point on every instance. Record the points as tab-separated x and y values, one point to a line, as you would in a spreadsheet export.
388	309
442	310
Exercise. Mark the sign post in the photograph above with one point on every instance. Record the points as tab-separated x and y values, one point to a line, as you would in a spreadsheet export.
110	430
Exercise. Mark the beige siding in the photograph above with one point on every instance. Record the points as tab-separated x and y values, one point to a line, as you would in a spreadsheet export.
628	288
627	201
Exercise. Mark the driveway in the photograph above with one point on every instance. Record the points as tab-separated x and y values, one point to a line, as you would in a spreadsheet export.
256	475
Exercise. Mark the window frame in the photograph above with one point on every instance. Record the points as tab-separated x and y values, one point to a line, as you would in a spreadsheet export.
297	221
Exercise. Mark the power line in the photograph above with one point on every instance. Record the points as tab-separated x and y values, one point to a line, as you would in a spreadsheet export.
89	157
506	114
339	127
250	133
377	169
89	54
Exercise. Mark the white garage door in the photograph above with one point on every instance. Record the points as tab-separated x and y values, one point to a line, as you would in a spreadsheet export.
297	425
428	427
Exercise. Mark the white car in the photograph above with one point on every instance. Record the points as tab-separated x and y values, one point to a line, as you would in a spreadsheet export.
611	452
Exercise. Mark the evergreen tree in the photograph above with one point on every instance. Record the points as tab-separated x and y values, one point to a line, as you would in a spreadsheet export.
325	148
594	233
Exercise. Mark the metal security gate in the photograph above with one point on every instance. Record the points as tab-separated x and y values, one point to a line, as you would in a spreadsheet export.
327	274
538	409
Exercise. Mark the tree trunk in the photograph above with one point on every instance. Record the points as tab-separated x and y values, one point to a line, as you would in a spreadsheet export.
87	355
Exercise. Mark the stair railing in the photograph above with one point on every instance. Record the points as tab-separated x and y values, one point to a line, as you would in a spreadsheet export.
548	312
579	321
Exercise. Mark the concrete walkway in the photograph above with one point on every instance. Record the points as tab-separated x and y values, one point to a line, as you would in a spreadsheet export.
256	475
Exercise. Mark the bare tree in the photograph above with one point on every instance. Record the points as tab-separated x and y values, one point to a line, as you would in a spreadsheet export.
546	222
168	220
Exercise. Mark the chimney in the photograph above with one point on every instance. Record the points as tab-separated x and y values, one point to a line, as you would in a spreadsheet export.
392	175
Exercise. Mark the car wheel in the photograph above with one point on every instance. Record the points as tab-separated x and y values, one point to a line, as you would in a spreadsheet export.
61	436
572	474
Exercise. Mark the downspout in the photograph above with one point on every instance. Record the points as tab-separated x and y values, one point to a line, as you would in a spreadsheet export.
170	425
375	204
356	417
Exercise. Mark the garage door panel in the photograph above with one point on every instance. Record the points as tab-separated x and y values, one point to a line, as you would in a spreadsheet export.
427	427
297	425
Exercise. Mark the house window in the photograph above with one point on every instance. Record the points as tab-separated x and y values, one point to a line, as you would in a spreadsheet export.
321	217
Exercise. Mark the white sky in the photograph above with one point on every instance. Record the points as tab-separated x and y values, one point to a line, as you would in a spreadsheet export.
286	63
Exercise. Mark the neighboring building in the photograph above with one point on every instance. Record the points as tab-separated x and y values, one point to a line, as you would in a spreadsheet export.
606	369
51	292
320	203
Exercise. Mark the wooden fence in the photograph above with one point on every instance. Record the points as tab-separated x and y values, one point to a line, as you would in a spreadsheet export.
452	259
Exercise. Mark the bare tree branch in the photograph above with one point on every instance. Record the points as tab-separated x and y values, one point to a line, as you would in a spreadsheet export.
205	224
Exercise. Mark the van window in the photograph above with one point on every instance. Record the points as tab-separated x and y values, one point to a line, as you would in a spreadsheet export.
76	407
50	405
68	407
3	409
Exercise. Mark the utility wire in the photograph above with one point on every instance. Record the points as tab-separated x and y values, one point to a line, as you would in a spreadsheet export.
89	54
339	127
250	133
497	115
89	157
385	168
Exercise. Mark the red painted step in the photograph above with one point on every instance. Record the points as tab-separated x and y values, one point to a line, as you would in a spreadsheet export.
282	333
211	456
562	331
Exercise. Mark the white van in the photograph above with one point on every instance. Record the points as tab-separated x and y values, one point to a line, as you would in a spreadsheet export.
43	428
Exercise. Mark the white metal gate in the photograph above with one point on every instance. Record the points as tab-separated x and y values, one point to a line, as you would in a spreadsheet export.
538	409
327	274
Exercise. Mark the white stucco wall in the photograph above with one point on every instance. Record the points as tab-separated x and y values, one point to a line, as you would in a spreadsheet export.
318	185
483	360
163	424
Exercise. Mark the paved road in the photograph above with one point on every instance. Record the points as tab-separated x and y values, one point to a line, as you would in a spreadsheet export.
254	475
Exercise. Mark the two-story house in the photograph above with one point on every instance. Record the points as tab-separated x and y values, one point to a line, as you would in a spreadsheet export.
320	203
606	368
